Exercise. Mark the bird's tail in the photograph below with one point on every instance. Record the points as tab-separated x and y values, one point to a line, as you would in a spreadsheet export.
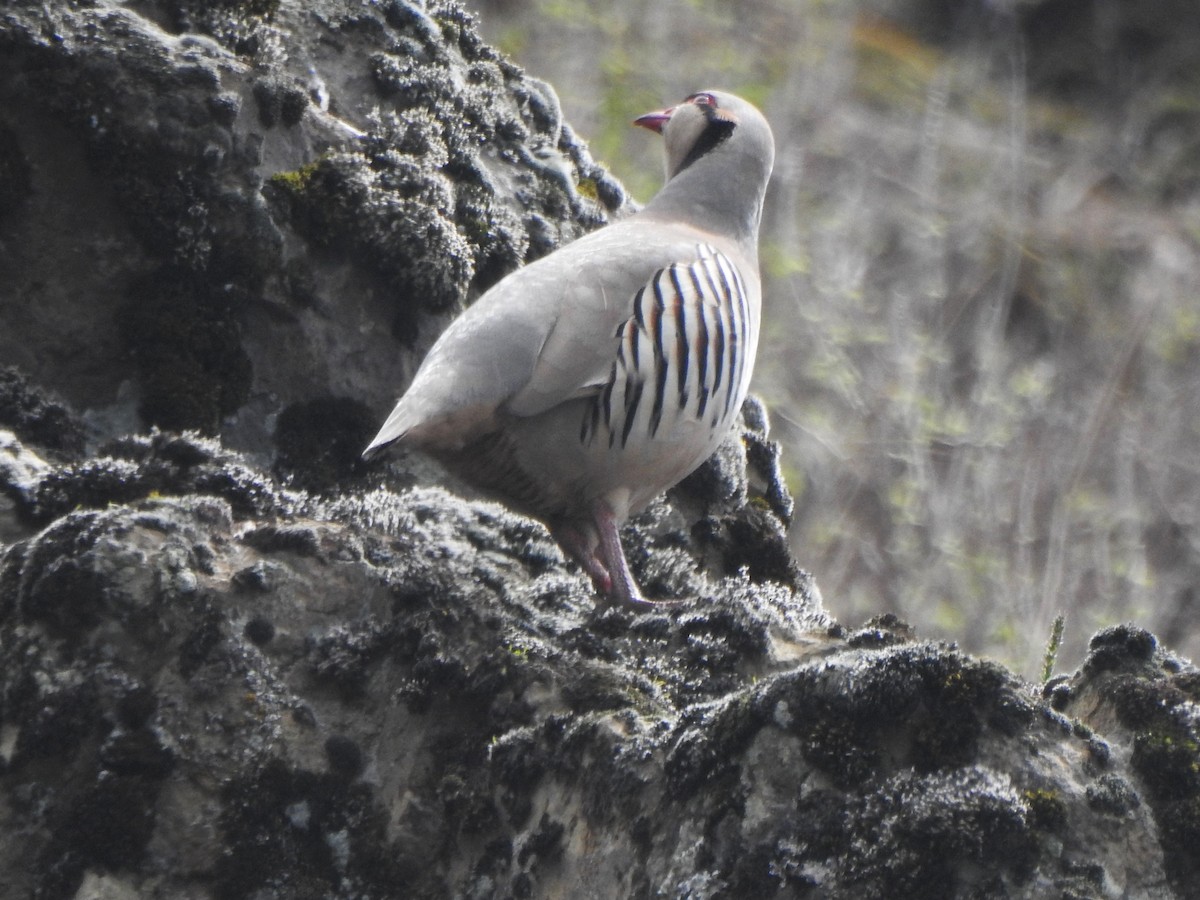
393	430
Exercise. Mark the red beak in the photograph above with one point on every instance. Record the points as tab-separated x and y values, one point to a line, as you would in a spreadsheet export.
655	121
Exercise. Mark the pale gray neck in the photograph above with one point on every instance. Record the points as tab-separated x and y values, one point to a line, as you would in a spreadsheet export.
716	193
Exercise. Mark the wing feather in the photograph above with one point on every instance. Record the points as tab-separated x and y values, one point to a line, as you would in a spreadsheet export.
682	316
547	334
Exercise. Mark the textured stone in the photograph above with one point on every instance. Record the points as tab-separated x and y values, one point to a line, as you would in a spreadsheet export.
247	689
274	674
262	203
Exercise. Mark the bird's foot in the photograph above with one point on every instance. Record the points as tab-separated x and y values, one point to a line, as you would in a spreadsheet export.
584	553
624	590
604	561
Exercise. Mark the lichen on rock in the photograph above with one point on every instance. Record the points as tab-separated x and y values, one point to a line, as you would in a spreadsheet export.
234	664
389	694
264	181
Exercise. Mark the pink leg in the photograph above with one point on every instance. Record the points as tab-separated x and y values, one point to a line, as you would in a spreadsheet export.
584	553
624	589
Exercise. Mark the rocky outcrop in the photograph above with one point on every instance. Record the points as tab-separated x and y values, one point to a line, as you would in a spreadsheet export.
216	215
235	665
215	687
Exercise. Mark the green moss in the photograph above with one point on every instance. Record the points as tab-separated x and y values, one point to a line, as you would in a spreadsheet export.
948	737
392	213
587	188
1168	762
1047	811
1052	646
297	180
909	705
496	235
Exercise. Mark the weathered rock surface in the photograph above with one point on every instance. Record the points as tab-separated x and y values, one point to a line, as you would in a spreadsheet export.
260	672
214	214
215	687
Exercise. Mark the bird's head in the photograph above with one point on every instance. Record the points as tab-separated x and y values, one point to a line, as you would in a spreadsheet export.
719	157
704	122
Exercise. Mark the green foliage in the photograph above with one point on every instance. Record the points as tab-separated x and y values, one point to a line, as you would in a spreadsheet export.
1053	645
297	180
978	320
587	188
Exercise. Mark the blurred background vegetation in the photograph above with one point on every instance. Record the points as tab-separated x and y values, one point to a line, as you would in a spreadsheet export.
982	314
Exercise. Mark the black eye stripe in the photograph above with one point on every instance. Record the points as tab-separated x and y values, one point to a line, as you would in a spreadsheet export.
718	130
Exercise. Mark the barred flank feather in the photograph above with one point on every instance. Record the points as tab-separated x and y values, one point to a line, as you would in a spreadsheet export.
694	319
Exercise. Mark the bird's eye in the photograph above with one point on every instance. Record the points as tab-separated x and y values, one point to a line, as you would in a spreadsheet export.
703	99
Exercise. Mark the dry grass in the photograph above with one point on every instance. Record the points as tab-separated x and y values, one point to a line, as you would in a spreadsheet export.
983	304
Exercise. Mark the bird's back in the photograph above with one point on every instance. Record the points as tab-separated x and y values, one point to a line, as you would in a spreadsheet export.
534	385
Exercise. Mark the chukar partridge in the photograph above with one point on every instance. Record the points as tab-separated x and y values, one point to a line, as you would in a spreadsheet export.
586	383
